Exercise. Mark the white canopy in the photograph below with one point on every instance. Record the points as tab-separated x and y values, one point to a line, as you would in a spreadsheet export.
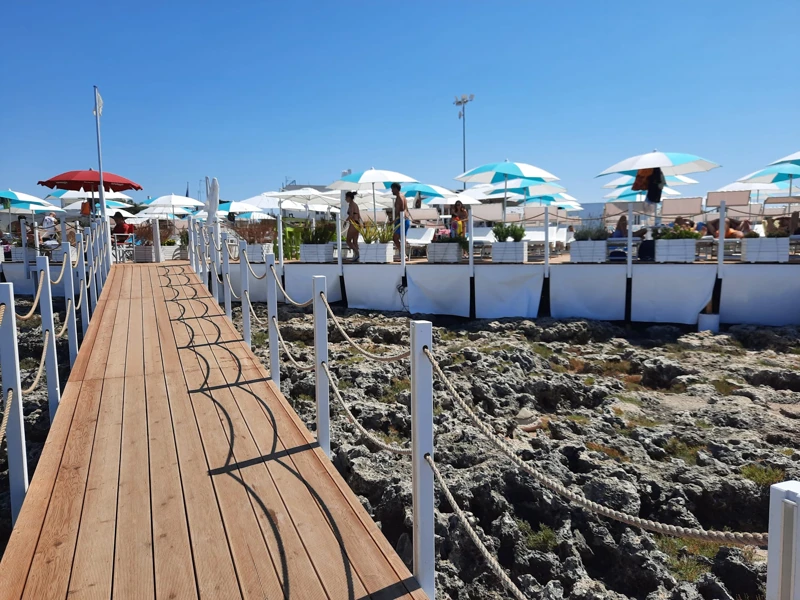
174	200
163	210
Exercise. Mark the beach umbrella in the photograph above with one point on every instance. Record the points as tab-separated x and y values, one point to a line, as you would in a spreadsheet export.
672	180
776	173
792	158
174	200
629	192
504	171
257	216
28	208
237	207
202	215
307	195
73	195
169	212
450	200
89	180
371	179
670	163
110	204
741	186
212	196
12	196
426	190
269	201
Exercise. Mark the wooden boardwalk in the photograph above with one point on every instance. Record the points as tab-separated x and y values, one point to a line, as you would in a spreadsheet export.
176	469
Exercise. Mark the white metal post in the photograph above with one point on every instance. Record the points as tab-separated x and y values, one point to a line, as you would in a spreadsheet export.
156	239
422	445
95	260
403	241
202	269
214	265
69	294
215	252
280	236
471	244
339	241
15	433
547	241
226	277
783	557
320	357
190	250
105	234
629	257
51	360
81	281
721	231
23	232
245	277
90	263
272	312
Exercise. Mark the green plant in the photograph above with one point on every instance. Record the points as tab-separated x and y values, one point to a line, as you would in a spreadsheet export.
725	387
582	419
608	451
779	233
543	540
591	233
322	233
374	233
459	239
762	475
680	233
751	234
542	350
291	242
170	242
503	231
687	558
183	236
679	449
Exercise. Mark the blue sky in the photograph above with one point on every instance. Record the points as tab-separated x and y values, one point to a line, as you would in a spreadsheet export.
252	92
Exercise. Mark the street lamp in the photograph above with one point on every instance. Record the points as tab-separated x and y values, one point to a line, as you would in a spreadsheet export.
462	114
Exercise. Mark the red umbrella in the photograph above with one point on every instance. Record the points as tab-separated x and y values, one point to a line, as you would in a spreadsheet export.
90	181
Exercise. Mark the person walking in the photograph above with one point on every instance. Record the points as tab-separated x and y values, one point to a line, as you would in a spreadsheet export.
402	216
49	227
353	223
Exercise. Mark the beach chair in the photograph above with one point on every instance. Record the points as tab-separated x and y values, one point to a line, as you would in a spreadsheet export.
418	238
482	240
682	207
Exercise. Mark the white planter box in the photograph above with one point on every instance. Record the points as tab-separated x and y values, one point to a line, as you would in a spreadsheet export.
18	254
676	251
510	252
376	253
765	250
256	252
143	254
170	252
587	252
316	253
444	252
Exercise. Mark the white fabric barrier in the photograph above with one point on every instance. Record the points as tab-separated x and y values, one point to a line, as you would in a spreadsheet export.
671	293
588	292
373	286
298	279
508	291
438	289
760	294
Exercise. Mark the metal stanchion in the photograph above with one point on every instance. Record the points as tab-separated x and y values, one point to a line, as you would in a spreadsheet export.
69	295
90	279
272	317
49	337
245	276
320	357
226	277
783	555
80	280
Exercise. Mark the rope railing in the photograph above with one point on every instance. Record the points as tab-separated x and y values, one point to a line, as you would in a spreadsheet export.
744	538
358	348
350	417
2	312
230	254
70	307
252	310
63	270
29	315
286	351
490	560
80	296
42	361
285	295
252	272
230	287
6	411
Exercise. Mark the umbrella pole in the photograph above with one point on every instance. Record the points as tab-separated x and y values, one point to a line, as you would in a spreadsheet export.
547	240
505	196
375	207
280	234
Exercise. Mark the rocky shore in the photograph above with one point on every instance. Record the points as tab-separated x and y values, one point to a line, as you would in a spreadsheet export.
679	427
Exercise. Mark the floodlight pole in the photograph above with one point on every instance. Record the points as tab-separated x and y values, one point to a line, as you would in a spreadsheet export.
462	114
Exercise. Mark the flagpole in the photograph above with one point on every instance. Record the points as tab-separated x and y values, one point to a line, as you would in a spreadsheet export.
101	191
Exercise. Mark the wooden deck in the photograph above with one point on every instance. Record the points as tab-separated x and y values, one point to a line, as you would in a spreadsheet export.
176	469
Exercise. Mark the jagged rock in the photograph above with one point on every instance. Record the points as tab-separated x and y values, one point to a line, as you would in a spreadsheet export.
660	372
614	493
711	588
738	574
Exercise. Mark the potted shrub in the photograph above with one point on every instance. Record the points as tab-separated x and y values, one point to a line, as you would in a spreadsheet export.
317	243
509	251
183	238
447	249
378	246
773	248
677	245
589	245
143	251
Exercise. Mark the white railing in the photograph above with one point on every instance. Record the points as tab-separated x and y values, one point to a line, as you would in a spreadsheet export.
784	517
81	279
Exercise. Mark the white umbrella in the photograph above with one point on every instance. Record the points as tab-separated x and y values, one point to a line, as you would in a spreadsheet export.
625	192
450	200
670	163
113	212
202	215
21	197
238	207
306	195
269	201
371	179
174	200
673	180
110	205
259	216
169	211
792	158
72	196
212	196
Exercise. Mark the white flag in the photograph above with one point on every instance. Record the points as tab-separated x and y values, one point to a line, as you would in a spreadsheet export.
99	101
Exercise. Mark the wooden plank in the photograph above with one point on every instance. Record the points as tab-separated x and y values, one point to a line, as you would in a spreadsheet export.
153	361
134	357
93	566
25	536
216	576
110	347
50	569
133	555
174	566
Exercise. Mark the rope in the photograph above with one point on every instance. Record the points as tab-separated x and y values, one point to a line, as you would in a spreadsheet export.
6	411
230	285
29	315
230	254
80	297
63	270
70	307
287	296
297	365
358	348
253	273
361	429
745	538
490	560
41	365
2	312
252	310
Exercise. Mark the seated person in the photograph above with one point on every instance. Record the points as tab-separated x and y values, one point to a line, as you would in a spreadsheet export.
621	230
789	224
731	231
683	223
121	228
702	229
